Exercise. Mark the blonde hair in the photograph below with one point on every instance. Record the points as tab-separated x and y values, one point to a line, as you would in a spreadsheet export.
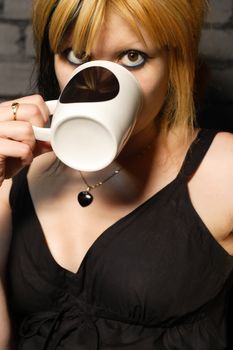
174	24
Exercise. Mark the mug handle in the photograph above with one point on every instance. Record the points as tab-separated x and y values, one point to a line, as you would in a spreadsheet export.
44	134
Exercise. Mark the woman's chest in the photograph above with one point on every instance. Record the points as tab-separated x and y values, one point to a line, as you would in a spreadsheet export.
145	264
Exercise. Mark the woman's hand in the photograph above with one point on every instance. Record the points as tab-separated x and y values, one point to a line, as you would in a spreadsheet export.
18	146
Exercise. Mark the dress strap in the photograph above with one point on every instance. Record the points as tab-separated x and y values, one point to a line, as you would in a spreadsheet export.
18	187
196	152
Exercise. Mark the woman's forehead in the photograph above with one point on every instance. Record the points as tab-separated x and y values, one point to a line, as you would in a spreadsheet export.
117	32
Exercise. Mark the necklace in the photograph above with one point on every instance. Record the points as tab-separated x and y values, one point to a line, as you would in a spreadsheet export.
85	198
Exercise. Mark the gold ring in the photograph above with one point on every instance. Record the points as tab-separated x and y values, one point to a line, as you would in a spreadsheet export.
14	107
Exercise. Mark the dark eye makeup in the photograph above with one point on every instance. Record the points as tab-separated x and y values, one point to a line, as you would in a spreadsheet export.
130	59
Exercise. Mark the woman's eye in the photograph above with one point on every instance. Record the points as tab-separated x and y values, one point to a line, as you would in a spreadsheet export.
75	59
133	59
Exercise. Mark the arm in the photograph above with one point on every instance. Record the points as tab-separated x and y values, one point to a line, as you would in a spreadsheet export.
5	237
18	147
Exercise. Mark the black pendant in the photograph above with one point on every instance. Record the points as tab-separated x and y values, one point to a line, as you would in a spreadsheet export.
85	198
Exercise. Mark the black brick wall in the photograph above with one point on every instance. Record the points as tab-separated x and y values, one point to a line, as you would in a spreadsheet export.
16	58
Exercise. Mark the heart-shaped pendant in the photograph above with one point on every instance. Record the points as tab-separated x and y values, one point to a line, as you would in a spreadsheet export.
85	198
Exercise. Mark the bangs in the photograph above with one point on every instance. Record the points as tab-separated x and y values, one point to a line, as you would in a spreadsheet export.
81	20
169	23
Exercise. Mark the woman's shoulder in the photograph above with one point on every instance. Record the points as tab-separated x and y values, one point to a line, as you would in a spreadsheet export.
218	164
223	139
221	162
221	155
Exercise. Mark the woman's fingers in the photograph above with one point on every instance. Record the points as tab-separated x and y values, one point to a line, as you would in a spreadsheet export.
25	112
31	110
31	100
13	157
14	149
31	105
19	131
18	146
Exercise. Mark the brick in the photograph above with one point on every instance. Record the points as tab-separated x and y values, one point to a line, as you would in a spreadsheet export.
220	11
30	52
1	5
217	44
15	78
15	72
18	9
222	82
9	35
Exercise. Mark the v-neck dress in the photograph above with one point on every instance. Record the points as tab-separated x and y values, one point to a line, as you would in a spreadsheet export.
154	280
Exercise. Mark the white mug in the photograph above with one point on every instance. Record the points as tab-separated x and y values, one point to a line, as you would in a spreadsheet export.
94	116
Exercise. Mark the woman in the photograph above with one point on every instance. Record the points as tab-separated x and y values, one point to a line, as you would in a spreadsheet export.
148	265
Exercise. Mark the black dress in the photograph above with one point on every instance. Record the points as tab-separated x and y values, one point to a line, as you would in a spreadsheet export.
156	279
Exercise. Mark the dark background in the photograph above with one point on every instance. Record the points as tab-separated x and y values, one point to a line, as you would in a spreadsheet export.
216	110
